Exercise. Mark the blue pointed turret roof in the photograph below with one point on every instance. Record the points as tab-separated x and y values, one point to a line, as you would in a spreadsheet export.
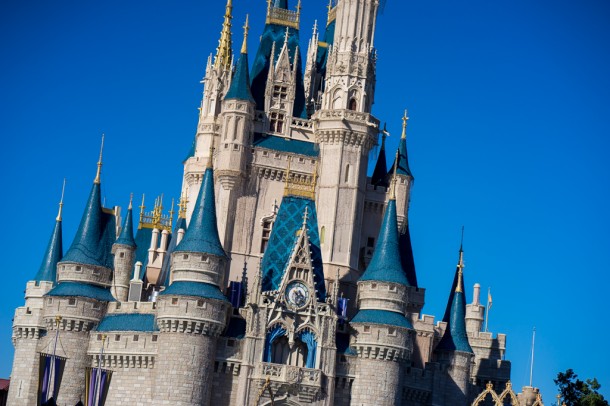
126	237
284	236
386	264
454	286
380	173
202	232
406	255
240	84
402	160
455	337
52	255
95	235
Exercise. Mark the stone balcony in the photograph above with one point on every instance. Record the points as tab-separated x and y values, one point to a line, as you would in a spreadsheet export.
305	382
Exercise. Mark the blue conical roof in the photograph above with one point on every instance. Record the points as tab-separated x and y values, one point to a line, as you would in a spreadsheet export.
126	237
403	161
94	236
454	285
53	254
240	84
406	255
455	337
386	265
202	232
380	173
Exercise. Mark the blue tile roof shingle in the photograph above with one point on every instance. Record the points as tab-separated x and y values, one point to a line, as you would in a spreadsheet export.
53	254
386	264
128	322
282	144
197	289
81	290
202	231
384	317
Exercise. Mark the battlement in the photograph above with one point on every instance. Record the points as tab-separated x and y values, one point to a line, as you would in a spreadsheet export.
75	272
131	307
123	349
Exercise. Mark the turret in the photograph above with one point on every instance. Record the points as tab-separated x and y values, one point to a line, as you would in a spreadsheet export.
346	131
28	323
192	312
404	175
124	250
383	335
84	276
475	312
235	145
216	82
453	351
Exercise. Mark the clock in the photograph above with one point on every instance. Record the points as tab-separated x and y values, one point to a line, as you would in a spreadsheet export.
297	294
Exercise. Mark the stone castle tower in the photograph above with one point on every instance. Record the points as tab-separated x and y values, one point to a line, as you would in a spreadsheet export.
288	276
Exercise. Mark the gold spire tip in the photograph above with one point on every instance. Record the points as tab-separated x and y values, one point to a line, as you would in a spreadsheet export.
244	45
405	119
99	163
61	202
458	287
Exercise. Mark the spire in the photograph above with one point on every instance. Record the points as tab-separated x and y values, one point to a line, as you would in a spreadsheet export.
126	237
402	160
224	51
54	251
386	264
61	202
99	164
244	45
87	246
406	254
456	280
240	84
381	169
202	232
455	337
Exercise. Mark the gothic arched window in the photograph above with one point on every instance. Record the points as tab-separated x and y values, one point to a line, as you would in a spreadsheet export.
353	104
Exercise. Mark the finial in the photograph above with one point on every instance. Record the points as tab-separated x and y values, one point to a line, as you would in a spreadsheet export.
211	157
405	118
58	319
330	5
99	163
244	45
394	179
61	202
130	202
460	265
315	27
305	216
182	207
286	36
142	207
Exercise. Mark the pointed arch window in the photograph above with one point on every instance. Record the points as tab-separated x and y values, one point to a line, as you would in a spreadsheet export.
353	104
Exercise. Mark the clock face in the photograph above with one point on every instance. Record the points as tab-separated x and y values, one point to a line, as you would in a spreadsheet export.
297	294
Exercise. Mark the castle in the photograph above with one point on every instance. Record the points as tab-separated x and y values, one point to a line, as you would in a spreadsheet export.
288	276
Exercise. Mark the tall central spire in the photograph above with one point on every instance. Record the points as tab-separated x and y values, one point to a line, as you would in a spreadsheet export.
224	51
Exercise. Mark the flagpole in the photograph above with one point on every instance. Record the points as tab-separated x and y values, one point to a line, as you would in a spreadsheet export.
487	309
52	363
98	377
532	363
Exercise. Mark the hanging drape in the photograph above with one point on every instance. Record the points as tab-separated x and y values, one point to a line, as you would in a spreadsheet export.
50	373
98	381
309	339
272	335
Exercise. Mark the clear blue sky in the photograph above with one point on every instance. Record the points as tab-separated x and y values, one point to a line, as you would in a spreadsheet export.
509	135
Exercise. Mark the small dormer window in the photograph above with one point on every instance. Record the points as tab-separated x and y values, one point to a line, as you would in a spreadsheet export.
96	271
117	337
174	301
154	338
280	92
185	256
71	301
78	268
392	288
122	255
373	285
367	329
200	303
205	258
391	331
96	305
265	153
50	300
136	337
